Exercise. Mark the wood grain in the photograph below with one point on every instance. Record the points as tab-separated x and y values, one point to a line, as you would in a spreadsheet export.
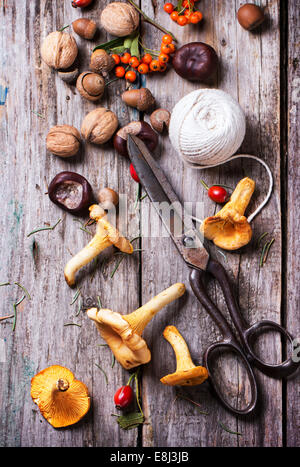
292	178
250	71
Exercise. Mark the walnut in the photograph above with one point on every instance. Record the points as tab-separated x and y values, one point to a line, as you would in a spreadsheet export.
101	62
59	50
99	125
63	140
119	19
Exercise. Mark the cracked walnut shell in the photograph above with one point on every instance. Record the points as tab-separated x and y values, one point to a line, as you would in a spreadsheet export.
99	125
59	50
63	140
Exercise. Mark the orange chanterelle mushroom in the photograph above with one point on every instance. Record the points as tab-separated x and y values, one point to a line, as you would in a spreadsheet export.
61	399
229	228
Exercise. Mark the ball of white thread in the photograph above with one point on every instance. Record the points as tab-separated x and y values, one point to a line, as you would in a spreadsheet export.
207	127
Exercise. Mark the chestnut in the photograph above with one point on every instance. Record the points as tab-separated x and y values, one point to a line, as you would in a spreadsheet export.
250	16
70	191
140	129
195	61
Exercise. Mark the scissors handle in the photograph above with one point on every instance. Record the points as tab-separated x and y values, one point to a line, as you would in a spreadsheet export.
229	342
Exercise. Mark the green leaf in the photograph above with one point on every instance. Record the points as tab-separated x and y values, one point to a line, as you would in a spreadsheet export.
118	50
134	49
127	42
130	421
110	44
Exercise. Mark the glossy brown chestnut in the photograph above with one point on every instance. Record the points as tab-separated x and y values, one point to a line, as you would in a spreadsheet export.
195	61
70	191
250	16
140	129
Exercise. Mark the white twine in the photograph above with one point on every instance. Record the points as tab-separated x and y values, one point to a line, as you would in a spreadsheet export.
207	127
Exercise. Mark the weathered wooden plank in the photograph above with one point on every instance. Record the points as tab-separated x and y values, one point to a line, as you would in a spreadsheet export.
293	225
40	338
247	62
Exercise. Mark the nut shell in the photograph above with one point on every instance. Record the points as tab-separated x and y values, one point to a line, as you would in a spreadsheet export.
70	191
142	99
68	76
99	125
160	119
85	28
90	85
101	62
59	50
195	61
63	140
141	129
250	16
119	19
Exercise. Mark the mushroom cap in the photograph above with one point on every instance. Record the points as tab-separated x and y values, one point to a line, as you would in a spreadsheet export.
229	228
61	398
128	347
97	213
190	377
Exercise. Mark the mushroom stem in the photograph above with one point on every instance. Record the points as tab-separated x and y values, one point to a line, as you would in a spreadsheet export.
241	196
182	353
139	318
98	243
62	384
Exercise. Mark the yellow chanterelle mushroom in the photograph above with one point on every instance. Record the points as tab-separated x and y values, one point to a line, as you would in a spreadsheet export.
229	228
106	235
186	374
123	332
61	398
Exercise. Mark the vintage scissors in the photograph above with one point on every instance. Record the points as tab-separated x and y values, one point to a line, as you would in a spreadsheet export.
190	245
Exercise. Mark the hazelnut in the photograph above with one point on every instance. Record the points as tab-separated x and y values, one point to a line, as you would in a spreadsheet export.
195	61
141	99
101	62
250	16
70	191
160	119
119	19
59	50
90	85
141	129
85	28
108	198
99	125
63	140
68	76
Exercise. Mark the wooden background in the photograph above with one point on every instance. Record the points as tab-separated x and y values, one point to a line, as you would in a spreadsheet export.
261	70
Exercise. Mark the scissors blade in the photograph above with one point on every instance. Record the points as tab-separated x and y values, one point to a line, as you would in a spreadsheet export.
175	218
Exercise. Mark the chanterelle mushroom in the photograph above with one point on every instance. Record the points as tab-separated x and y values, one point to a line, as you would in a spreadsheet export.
123	332
61	398
186	374
229	228
106	235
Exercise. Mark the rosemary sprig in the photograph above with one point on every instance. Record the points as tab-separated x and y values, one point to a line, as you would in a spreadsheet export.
44	228
72	324
105	375
75	297
113	361
229	430
79	307
260	238
15	311
38	114
24	290
181	396
267	249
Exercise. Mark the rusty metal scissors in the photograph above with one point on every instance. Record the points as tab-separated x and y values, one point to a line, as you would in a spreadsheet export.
190	245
